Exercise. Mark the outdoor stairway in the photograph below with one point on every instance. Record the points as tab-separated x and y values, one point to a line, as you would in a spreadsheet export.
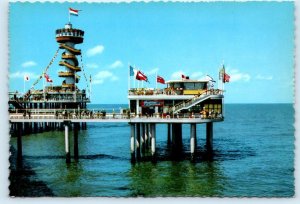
27	95
191	102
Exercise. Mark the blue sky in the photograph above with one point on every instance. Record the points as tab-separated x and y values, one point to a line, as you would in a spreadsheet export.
255	40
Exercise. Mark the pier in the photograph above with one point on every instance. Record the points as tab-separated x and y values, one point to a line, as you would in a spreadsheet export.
64	107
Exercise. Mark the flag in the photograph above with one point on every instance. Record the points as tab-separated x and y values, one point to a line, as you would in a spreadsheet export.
183	77
141	76
161	80
47	78
26	77
226	78
73	12
131	72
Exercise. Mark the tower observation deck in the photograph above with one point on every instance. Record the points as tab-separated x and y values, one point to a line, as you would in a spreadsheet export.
67	38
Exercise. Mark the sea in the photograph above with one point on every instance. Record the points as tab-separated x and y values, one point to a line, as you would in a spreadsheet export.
253	157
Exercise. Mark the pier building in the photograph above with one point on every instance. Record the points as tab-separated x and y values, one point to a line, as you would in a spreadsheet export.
182	101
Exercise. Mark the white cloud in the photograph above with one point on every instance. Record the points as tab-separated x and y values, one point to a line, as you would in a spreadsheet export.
95	50
236	75
92	65
177	75
116	64
260	77
101	76
29	64
152	71
21	75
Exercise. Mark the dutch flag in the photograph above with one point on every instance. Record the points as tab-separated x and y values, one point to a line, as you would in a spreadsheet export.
73	12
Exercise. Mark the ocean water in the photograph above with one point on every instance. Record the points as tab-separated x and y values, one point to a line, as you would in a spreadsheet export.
253	156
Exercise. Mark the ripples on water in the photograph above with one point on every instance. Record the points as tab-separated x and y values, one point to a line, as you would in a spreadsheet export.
253	157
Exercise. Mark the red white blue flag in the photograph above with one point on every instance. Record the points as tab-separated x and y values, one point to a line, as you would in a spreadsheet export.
73	12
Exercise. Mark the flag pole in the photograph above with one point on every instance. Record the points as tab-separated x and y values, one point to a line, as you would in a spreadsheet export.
135	76
44	85
128	77
90	87
156	80
69	17
24	86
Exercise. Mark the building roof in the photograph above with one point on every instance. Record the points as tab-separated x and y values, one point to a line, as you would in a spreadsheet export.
187	81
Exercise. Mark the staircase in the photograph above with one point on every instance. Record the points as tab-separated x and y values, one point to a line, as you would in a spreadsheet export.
193	101
27	95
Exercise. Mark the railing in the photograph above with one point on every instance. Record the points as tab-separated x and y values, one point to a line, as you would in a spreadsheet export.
196	99
86	114
143	91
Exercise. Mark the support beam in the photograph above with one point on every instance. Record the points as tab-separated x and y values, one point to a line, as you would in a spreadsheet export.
76	152
138	141
153	140
176	137
132	142
67	143
149	134
193	140
146	136
19	143
143	140
209	137
169	134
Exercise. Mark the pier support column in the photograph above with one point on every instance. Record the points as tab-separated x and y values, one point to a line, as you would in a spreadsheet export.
209	137
153	141
67	142
176	137
132	142
19	143
75	130
193	141
138	141
146	136
143	138
169	134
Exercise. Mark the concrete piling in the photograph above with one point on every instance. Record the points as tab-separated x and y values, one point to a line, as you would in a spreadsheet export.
176	136
75	131
146	136
19	143
67	144
209	137
169	134
193	139
132	142
153	140
143	144
138	141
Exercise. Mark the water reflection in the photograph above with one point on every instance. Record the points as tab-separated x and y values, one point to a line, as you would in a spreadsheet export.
176	179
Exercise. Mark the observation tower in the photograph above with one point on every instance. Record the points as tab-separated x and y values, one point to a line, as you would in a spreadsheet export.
67	38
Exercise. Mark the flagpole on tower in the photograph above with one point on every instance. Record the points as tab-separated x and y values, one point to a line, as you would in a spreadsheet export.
69	18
